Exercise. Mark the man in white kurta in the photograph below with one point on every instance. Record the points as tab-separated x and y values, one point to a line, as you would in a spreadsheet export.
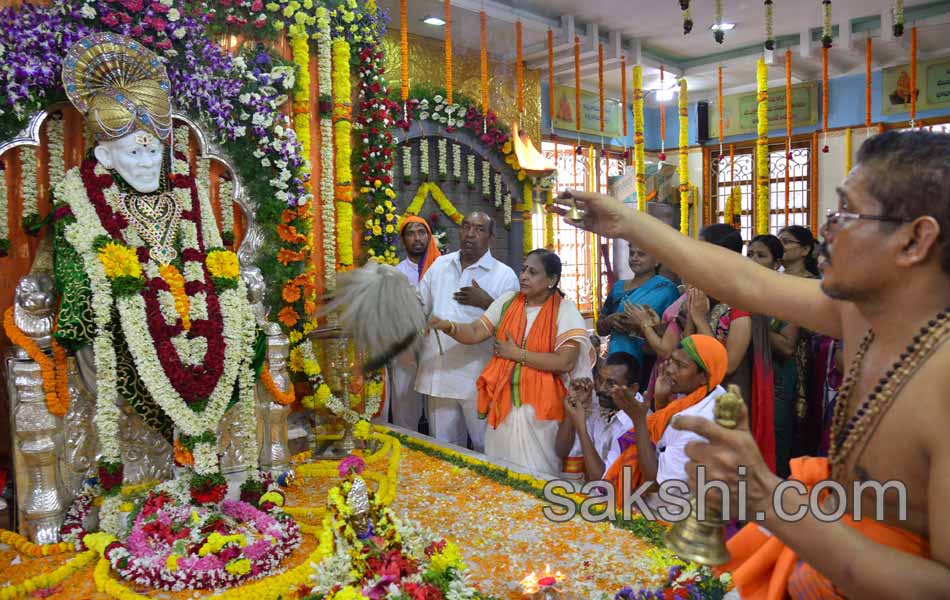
459	287
406	403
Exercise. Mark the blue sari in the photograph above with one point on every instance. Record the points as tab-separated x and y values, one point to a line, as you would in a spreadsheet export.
658	292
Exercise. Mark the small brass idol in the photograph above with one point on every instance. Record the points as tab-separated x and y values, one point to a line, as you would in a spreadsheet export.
704	542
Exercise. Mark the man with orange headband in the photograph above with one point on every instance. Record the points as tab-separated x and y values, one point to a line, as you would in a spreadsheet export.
421	252
657	452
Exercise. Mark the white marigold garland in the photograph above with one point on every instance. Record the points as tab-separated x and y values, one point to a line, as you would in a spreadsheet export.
4	214
327	206
507	203
470	170
406	163
456	163
28	184
56	144
498	198
226	200
486	181
181	145
443	156
424	159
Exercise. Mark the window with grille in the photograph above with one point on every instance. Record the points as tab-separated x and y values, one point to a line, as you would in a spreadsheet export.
575	247
784	209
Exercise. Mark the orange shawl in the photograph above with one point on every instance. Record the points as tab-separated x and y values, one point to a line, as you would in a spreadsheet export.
432	252
763	567
713	356
505	383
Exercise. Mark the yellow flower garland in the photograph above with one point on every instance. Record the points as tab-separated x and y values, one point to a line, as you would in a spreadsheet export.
47	580
684	158
549	223
762	150
639	159
25	546
176	287
342	113
528	202
441	200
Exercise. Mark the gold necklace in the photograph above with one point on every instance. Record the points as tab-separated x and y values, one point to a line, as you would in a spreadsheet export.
155	218
847	433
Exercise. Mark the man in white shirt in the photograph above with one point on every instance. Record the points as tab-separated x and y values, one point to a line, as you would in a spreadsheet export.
459	287
421	253
589	446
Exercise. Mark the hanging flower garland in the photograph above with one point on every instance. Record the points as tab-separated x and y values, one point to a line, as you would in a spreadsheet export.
470	170
498	194
325	108
718	33
824	98
226	200
527	240
769	28
4	214
687	17
406	164
684	158
662	155
549	242
788	129
343	189
719	109
519	71
424	159
56	163
442	168
867	85
55	385
826	24
898	18
404	50
507	208
376	153
847	151
600	84
577	82
300	49
448	51
762	150
483	58
456	164
638	138
440	199
31	221
913	77
486	181
551	72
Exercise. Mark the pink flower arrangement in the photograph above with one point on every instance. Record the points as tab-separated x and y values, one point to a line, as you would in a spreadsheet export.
351	464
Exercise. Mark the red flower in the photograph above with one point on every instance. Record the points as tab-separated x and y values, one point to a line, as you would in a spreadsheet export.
209	496
154	503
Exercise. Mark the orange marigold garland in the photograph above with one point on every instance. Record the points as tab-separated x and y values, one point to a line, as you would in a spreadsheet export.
448	51
54	387
824	97
788	127
662	156
280	397
600	82
519	70
483	57
867	85
404	47
913	76
551	73
577	82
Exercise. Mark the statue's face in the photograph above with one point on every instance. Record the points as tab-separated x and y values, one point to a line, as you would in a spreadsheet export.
137	157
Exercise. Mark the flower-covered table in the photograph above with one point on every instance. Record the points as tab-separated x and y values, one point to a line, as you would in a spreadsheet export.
493	514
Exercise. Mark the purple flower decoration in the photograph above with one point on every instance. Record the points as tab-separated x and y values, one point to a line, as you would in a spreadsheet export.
351	464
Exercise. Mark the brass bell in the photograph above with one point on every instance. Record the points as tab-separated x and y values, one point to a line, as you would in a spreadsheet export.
704	542
573	214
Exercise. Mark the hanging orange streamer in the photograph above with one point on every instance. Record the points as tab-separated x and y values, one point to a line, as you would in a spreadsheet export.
623	92
600	82
519	69
577	82
719	107
448	51
404	46
913	75
788	127
662	111
484	60
550	72
824	90
867	83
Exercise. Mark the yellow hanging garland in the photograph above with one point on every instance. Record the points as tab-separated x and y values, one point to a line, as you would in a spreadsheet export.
342	113
684	158
762	150
527	242
549	223
638	138
430	187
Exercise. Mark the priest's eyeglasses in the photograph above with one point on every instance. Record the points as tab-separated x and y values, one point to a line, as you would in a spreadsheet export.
834	220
